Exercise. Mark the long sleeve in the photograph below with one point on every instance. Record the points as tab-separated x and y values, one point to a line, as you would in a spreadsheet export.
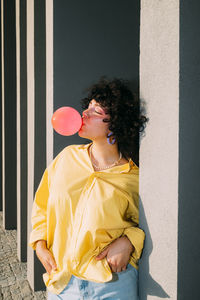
39	212
135	234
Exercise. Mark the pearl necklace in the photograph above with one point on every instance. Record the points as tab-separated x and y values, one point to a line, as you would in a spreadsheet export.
100	168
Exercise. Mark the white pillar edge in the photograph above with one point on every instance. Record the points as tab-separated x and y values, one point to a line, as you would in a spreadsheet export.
31	133
18	129
49	80
159	149
3	111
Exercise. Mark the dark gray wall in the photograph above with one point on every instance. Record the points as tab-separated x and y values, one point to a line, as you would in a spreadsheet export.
189	153
92	38
40	90
40	113
10	147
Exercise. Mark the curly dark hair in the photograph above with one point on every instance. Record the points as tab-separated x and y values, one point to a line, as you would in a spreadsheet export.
126	121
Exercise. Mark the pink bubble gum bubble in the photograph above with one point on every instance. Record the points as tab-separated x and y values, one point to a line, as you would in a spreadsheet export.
66	120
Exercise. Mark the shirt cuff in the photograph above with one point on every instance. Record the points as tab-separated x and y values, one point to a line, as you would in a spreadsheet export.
136	237
36	236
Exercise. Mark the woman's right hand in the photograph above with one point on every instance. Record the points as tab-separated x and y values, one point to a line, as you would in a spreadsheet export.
45	256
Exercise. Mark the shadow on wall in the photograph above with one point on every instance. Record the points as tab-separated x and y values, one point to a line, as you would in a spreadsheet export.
147	285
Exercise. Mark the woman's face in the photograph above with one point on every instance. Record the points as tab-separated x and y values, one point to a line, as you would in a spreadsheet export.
93	126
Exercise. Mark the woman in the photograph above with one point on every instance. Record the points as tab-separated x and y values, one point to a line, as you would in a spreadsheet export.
85	212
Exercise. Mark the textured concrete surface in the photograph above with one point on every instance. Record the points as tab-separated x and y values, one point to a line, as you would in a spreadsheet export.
159	149
13	274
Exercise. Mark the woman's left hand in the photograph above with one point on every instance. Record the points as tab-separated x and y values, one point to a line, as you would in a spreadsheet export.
118	254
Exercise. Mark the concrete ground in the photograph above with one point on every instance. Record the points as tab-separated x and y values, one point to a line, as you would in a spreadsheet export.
13	279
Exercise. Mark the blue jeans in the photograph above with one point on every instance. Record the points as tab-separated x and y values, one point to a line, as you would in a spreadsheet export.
123	286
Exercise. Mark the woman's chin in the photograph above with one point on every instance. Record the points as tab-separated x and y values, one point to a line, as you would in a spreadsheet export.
81	134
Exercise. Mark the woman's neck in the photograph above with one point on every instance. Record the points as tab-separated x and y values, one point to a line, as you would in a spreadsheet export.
104	154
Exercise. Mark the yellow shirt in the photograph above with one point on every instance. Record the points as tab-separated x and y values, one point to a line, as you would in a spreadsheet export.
79	211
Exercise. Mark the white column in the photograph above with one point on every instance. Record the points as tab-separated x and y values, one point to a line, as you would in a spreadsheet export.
30	138
3	112
159	88
49	79
17	3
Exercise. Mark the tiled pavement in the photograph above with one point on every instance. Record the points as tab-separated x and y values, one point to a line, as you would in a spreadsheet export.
13	281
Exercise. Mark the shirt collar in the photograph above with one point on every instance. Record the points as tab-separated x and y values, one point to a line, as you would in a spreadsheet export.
125	168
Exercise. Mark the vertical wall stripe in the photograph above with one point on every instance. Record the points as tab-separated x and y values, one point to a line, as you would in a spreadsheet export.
36	48
40	90
30	122
49	79
18	126
2	111
23	128
10	157
1	119
40	110
189	149
159	87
